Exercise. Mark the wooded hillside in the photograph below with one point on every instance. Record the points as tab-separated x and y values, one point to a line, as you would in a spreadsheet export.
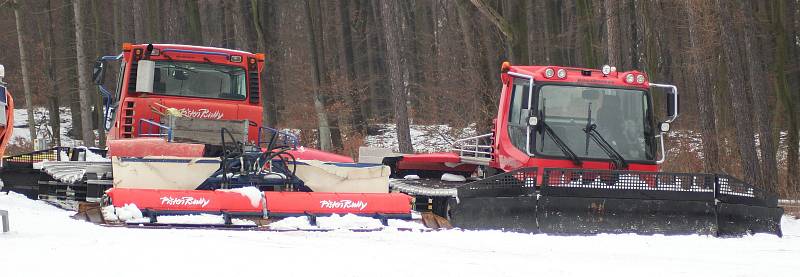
342	66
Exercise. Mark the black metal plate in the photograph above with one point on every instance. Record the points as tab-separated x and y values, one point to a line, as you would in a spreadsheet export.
498	213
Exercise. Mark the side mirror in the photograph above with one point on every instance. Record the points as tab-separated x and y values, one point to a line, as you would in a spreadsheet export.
98	73
663	127
533	121
672	104
145	74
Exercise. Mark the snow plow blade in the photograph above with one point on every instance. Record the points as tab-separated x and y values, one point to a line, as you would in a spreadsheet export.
585	202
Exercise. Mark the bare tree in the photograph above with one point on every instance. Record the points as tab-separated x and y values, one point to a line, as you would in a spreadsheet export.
52	70
26	74
501	23
211	26
705	97
319	106
759	94
393	26
736	86
140	22
612	31
84	78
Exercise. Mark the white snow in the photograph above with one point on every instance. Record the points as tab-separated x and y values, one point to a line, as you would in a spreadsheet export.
41	117
425	138
42	231
346	222
200	219
128	212
109	213
251	193
411	177
90	156
449	177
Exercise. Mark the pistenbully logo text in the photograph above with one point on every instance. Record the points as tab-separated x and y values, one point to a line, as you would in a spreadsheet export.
184	201
343	204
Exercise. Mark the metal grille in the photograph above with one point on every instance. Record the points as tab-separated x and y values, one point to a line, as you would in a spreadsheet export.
623	179
513	183
732	190
652	185
627	184
254	88
27	159
132	78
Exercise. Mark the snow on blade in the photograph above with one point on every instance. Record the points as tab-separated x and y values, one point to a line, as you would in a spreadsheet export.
91	156
128	212
251	193
348	222
109	214
291	223
448	177
200	219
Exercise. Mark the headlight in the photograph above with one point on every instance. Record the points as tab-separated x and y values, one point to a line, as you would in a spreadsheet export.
562	73
549	72
606	69
640	79
664	126
629	78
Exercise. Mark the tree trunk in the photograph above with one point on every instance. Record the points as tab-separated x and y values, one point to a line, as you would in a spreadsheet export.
140	22
52	74
586	26
736	86
705	103
612	31
269	115
787	98
347	67
98	98
211	26
393	27
174	16
502	24
154	22
319	106
26	75
84	78
192	26
759	94
239	25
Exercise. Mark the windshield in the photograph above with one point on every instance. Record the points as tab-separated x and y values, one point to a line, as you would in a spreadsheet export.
620	115
200	80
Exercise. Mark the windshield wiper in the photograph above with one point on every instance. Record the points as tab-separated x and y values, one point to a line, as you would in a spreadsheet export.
560	143
591	131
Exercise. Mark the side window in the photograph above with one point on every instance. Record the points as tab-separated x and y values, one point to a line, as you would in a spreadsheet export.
518	114
120	77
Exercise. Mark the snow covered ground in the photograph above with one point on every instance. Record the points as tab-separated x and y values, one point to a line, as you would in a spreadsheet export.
41	117
44	241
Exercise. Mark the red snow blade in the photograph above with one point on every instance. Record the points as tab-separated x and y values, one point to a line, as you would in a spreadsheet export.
337	203
278	204
210	201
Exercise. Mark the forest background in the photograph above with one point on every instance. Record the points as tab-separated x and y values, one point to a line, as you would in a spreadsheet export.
346	66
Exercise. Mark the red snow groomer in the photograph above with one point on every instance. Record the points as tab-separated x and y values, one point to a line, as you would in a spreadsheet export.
577	151
185	121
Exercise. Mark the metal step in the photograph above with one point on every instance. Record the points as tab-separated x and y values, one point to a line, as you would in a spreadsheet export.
475	160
